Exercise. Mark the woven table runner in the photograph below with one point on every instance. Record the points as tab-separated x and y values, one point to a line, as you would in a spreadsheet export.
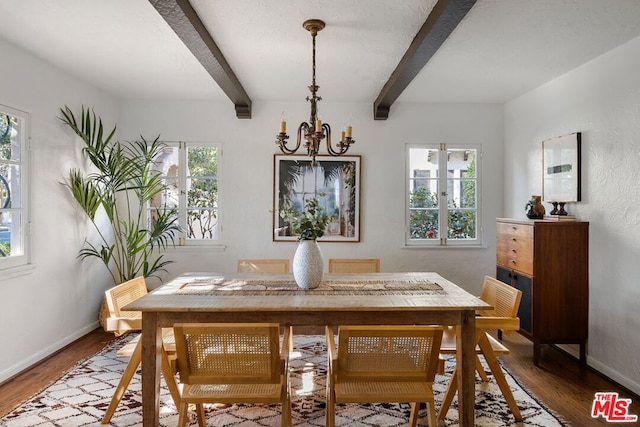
265	286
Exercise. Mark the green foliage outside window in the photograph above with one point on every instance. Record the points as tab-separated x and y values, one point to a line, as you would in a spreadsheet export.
423	220
202	196
461	220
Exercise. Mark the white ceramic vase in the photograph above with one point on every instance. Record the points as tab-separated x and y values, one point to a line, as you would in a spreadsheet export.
308	264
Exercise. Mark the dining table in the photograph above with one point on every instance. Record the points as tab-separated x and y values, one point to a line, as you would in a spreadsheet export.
401	298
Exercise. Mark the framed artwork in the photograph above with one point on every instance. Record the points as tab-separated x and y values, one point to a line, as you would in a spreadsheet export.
334	181
561	171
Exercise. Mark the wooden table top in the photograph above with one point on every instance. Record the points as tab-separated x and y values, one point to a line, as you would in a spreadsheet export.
416	291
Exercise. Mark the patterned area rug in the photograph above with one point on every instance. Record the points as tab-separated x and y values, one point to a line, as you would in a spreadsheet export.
80	397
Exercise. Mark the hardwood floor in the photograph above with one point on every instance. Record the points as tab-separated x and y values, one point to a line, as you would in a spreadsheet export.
559	382
31	381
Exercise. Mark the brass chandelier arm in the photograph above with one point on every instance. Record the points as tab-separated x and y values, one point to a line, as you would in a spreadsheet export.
281	141
314	131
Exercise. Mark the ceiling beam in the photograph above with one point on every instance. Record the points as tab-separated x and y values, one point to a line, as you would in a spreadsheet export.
443	19
186	23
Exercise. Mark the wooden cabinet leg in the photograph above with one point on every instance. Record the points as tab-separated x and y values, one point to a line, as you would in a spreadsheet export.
536	352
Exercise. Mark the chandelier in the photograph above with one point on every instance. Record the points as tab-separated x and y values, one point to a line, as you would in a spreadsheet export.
315	130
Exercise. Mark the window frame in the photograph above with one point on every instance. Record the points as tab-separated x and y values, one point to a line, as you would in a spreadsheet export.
24	259
443	208
182	241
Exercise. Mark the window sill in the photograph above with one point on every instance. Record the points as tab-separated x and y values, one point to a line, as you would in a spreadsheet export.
482	246
13	272
197	248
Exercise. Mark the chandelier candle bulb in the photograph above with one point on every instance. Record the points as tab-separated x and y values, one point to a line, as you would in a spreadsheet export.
349	131
283	126
318	125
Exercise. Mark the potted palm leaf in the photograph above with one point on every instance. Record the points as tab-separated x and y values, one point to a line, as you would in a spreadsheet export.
121	183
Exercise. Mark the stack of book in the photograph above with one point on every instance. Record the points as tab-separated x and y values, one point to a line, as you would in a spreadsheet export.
559	218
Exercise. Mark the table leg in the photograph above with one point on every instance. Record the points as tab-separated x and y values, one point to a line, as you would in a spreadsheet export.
466	358
151	354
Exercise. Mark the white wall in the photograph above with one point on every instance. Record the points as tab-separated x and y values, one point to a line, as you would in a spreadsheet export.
57	301
601	99
246	189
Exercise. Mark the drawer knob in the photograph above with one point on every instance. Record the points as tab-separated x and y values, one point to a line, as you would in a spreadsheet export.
514	239
512	261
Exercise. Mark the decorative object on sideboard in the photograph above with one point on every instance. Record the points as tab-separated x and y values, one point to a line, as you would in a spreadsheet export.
534	208
561	170
314	131
561	210
560	218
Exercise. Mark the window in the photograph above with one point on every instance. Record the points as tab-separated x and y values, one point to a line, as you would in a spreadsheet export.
442	195
190	172
13	209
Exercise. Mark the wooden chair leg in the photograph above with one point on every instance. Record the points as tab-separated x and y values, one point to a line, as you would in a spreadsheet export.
286	413
452	387
431	413
170	379
413	418
200	412
127	375
480	369
183	409
496	369
330	415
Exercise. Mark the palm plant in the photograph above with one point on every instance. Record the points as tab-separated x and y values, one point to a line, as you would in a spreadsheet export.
123	184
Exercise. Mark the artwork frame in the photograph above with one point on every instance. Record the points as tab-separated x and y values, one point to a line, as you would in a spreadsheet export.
562	169
335	181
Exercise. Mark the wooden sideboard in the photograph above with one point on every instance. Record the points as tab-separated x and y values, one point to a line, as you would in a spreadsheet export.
549	262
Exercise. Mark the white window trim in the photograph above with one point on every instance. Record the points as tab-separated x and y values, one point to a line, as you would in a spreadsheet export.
15	264
182	244
444	243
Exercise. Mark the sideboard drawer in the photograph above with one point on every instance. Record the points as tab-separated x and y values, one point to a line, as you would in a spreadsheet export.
515	247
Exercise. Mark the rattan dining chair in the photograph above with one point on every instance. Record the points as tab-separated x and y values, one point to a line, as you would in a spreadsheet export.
505	300
379	364
354	265
232	363
120	322
263	266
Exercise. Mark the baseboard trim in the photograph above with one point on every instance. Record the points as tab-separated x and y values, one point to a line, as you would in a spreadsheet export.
44	354
601	369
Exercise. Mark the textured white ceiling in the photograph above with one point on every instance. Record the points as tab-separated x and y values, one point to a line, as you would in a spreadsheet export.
502	49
